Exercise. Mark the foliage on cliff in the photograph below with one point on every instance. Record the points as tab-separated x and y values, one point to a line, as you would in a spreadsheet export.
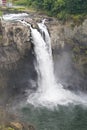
58	8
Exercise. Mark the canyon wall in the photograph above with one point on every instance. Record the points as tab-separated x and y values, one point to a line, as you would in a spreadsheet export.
16	46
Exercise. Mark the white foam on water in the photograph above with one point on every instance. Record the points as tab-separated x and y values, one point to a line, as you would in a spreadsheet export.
10	17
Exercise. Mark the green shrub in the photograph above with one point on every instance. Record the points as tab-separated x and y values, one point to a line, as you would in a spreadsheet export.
21	2
9	128
63	9
2	127
63	16
78	18
1	13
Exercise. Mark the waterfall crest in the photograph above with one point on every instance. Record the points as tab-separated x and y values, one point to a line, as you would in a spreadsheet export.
45	36
11	17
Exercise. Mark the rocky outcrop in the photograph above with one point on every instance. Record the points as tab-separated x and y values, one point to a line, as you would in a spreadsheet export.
12	122
15	38
16	126
61	34
70	37
14	42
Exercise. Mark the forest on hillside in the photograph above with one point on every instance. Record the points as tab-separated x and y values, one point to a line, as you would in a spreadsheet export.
58	8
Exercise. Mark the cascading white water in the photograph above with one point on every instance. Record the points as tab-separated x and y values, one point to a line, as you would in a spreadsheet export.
49	93
45	35
11	17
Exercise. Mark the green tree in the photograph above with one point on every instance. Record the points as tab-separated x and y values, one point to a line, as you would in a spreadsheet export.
48	4
76	6
55	7
59	5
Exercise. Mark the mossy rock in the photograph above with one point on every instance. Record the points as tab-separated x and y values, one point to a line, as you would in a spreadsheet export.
16	126
2	127
1	13
76	49
12	122
78	18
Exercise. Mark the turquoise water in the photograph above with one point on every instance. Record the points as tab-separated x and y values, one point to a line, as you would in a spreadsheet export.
61	118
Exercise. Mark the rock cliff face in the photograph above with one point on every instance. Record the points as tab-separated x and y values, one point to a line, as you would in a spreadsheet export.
15	38
15	45
69	42
71	38
14	42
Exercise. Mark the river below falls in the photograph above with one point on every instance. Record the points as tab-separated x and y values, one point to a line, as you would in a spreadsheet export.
61	118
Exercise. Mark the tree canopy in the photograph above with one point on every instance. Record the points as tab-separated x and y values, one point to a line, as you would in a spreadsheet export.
56	6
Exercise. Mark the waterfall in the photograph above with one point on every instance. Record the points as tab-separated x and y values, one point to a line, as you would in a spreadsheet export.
49	92
45	36
47	86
